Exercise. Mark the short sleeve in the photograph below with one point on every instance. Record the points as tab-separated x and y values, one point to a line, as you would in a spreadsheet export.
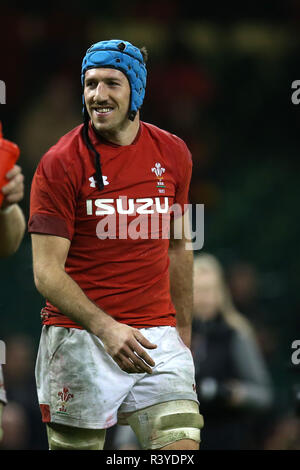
53	198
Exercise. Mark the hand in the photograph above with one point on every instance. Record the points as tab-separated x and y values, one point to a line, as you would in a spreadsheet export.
14	190
122	343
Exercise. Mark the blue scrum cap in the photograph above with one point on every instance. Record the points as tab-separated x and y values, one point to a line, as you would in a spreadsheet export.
120	55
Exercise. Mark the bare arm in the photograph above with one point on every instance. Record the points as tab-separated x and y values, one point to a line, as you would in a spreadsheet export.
181	277
12	221
121	341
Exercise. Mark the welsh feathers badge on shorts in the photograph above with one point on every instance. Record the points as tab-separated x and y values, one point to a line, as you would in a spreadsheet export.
64	396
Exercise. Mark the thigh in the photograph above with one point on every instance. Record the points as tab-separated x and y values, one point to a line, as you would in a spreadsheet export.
162	408
169	425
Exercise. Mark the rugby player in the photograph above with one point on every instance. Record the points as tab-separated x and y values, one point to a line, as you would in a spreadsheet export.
114	290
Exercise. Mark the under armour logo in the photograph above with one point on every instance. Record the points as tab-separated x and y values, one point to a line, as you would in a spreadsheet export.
93	181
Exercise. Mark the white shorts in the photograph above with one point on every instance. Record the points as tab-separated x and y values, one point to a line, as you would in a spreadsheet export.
80	385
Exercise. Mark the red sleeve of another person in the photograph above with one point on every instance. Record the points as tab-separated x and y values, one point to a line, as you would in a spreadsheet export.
53	197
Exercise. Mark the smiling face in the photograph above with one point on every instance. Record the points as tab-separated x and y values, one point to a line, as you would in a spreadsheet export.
107	97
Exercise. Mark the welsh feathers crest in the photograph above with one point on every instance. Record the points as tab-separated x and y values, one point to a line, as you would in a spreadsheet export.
158	170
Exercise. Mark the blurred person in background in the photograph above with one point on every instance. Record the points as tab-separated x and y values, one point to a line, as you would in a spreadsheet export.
244	285
12	228
245	288
232	381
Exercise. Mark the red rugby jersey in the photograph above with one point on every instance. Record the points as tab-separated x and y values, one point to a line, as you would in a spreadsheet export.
127	277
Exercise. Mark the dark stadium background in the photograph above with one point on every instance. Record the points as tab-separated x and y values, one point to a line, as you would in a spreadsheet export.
220	79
